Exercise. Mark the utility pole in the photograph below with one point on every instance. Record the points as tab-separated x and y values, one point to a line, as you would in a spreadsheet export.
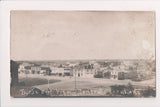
75	79
48	85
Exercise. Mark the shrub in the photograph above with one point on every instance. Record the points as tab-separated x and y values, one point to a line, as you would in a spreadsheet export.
122	90
149	92
107	75
98	76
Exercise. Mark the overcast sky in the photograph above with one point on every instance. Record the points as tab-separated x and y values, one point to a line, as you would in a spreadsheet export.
58	35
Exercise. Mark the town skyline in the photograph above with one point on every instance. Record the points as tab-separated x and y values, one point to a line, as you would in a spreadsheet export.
81	60
83	78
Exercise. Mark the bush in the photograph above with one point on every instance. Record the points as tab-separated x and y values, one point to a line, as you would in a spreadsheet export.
121	76
122	90
98	76
37	93
107	75
149	92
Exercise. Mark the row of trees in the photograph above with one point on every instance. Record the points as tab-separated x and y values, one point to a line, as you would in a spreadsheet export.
129	91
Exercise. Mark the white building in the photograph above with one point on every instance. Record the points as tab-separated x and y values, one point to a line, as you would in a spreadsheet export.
61	71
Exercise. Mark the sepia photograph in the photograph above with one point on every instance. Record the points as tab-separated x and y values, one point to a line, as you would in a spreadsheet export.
82	54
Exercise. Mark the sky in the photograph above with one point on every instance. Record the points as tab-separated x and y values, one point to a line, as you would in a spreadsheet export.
71	35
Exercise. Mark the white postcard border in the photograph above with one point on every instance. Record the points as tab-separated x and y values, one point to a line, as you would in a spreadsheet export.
6	7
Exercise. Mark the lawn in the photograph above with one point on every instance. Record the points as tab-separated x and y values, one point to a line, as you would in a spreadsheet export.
28	81
26	84
66	83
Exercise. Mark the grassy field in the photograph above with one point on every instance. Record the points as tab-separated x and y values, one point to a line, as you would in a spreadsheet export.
36	81
81	83
69	83
27	83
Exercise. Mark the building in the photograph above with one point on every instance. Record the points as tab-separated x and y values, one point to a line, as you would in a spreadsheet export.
83	70
61	71
27	70
114	74
35	69
45	70
21	68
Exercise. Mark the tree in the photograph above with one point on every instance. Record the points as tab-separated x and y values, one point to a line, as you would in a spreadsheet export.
121	76
107	74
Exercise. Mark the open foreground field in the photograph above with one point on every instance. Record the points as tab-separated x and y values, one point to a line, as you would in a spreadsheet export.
72	83
57	86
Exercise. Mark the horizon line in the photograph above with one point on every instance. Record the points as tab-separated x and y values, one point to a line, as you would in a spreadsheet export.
80	59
